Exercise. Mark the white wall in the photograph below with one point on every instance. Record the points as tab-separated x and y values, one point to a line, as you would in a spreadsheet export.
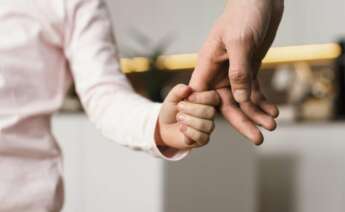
103	176
188	21
301	168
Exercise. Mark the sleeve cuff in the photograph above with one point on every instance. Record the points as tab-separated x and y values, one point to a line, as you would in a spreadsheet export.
157	151
175	155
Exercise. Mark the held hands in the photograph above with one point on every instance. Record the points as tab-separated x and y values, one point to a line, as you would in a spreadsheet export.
227	63
186	124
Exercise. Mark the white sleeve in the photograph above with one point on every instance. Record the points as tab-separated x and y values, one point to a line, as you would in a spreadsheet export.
105	93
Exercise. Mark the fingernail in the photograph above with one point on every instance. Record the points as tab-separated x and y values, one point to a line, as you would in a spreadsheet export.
241	95
180	117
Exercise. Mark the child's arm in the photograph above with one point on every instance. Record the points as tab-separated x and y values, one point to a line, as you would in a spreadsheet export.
106	95
108	99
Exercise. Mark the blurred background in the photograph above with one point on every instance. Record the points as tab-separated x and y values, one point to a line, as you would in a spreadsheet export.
299	168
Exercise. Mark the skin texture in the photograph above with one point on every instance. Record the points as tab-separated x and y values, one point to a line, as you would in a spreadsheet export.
183	124
242	34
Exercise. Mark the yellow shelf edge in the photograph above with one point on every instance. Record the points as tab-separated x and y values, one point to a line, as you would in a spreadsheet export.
279	55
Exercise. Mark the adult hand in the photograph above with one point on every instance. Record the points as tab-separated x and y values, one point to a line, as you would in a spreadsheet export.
241	35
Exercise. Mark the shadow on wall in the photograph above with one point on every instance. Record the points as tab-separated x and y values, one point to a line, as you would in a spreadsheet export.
219	177
277	183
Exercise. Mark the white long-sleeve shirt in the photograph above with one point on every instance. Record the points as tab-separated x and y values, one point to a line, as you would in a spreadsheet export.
44	45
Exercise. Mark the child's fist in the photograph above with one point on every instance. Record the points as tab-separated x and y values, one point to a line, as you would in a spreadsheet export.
186	124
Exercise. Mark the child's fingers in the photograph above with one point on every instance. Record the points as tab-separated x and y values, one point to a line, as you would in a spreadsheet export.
197	110
205	98
189	143
204	125
199	137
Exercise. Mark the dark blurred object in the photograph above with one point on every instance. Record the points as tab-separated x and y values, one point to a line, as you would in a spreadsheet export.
159	87
340	80
151	82
305	91
317	103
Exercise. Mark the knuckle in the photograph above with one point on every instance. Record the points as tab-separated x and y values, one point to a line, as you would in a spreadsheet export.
247	37
240	38
239	76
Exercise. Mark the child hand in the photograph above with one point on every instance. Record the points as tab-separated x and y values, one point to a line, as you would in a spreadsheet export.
186	124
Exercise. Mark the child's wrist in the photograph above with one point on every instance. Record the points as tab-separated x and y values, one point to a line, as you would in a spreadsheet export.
165	149
158	136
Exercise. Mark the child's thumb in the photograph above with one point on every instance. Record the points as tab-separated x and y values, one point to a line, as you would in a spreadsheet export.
178	93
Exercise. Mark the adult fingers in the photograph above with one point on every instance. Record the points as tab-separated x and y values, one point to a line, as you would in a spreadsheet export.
258	116
237	119
259	99
205	98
